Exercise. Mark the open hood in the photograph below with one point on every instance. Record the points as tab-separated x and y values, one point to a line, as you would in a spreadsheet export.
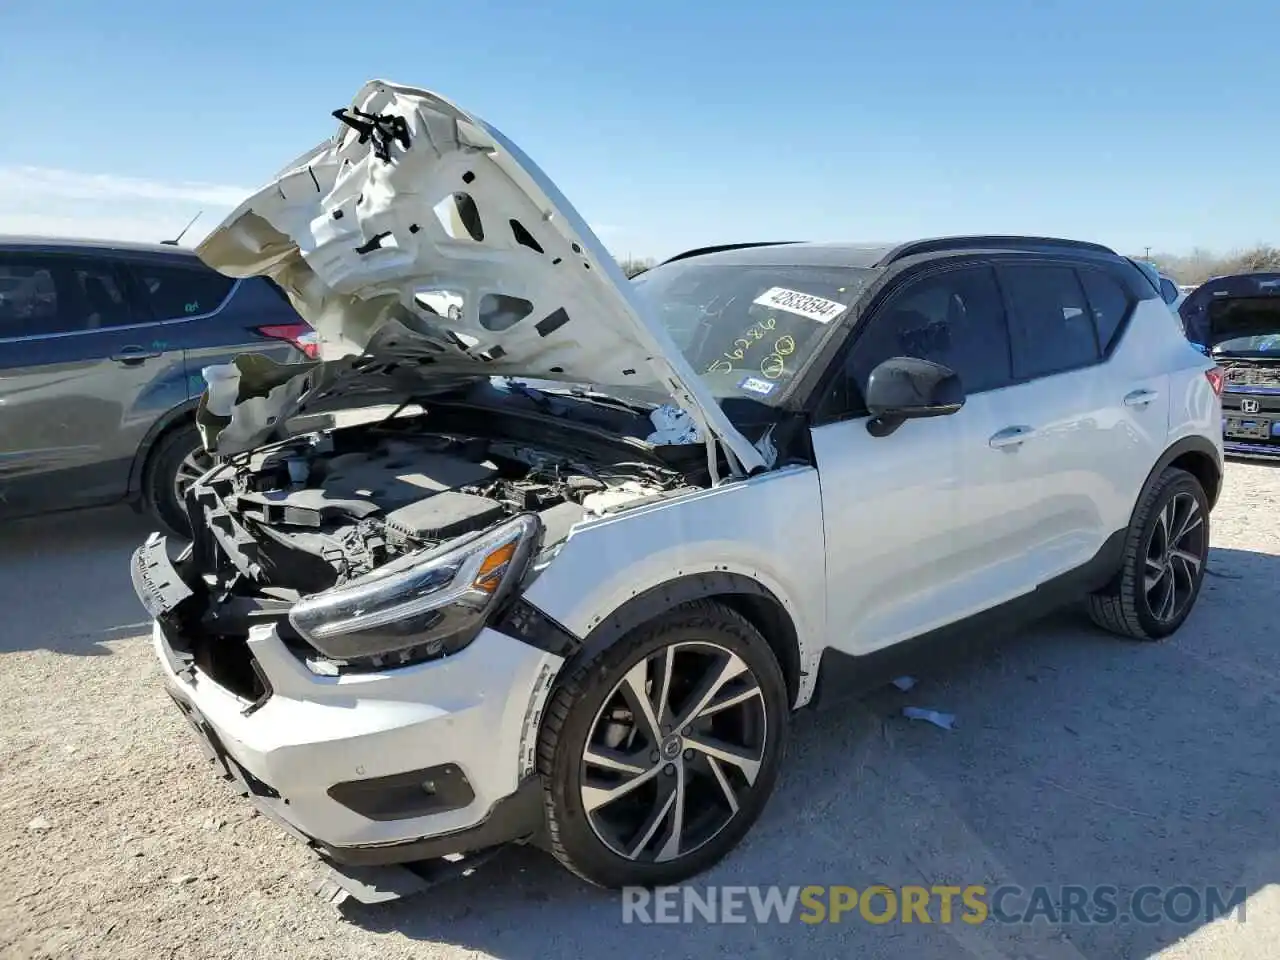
419	239
1233	308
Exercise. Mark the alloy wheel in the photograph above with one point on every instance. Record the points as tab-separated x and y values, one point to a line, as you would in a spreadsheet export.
1174	558
193	466
673	752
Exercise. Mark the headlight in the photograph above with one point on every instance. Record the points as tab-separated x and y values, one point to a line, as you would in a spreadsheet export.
437	599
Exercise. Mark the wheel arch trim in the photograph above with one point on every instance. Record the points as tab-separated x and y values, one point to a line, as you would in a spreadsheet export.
1198	453
744	594
171	419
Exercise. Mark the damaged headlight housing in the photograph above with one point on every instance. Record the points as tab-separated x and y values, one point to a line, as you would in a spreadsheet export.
429	603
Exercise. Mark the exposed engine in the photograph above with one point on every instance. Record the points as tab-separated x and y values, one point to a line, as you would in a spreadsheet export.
1251	373
319	510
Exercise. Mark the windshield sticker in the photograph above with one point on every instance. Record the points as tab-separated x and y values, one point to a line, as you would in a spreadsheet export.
801	304
756	385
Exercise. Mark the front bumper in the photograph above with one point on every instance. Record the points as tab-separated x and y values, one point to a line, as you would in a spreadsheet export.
378	768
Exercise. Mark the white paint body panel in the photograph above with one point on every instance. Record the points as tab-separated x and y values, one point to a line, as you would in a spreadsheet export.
468	710
768	528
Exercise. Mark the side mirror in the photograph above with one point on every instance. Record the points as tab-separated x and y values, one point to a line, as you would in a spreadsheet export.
908	388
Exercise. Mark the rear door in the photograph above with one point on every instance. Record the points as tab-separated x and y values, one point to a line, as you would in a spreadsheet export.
1088	415
82	377
211	317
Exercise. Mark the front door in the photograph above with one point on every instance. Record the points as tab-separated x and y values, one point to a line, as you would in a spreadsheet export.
917	530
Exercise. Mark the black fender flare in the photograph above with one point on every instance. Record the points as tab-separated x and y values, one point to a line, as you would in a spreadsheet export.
1195	444
740	591
170	419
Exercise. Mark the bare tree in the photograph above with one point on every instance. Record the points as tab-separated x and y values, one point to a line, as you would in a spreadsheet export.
633	267
1200	264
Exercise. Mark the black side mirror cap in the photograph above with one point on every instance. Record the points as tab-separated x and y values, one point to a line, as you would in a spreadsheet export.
908	388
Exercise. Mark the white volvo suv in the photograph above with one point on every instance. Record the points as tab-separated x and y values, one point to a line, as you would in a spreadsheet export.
581	613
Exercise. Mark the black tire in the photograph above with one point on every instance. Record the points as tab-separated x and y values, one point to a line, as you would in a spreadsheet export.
589	687
172	453
1127	606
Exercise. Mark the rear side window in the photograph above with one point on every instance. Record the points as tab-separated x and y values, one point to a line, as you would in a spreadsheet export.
102	302
1052	327
180	291
28	298
1109	302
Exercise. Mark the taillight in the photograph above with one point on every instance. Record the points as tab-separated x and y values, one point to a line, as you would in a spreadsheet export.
299	334
1214	376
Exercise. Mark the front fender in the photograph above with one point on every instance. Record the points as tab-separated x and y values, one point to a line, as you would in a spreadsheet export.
767	530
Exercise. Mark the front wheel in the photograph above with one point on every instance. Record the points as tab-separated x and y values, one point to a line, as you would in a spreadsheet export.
659	754
1165	552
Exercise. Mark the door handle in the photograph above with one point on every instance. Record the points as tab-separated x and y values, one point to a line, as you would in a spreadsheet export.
1140	398
1010	437
131	356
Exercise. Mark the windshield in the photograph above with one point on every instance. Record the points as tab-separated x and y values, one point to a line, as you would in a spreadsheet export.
748	328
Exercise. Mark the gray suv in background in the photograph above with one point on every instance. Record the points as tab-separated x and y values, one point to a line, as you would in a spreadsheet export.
101	350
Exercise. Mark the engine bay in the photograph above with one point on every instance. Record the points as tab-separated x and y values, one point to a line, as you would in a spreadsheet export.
319	510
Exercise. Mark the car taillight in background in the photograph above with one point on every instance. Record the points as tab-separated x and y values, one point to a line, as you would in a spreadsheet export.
1214	376
299	334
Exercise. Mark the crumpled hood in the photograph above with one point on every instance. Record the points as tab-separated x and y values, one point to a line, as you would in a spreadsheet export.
419	237
1232	308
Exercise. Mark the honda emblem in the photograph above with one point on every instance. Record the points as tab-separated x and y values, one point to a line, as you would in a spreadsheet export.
1248	406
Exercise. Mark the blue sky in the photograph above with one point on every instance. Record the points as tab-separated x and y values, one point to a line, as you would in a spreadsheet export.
671	125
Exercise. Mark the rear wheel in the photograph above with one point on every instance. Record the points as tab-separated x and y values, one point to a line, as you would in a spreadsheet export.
658	755
1164	559
177	460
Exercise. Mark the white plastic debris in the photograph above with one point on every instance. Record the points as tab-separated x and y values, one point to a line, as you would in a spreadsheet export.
904	683
947	721
671	425
224	388
602	502
40	825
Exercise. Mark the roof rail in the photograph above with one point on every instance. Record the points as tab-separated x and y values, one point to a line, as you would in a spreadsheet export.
942	244
721	247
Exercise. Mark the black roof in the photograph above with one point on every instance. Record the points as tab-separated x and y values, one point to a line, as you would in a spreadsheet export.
791	254
874	255
88	245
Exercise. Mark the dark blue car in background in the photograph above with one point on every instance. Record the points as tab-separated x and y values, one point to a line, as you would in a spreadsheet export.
101	350
1236	319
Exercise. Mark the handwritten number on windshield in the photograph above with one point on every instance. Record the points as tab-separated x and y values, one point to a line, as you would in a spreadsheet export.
742	344
774	365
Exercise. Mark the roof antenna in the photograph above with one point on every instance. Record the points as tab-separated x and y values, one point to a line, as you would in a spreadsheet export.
174	241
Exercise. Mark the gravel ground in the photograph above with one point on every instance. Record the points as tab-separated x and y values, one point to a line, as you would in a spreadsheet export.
1079	759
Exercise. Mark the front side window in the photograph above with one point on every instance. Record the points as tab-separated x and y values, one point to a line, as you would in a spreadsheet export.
28	298
44	295
747	329
1052	327
955	318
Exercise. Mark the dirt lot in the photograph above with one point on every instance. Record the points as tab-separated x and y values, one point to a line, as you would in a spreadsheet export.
1079	759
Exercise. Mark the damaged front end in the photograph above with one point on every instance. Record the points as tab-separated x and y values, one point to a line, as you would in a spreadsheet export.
347	631
382	545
